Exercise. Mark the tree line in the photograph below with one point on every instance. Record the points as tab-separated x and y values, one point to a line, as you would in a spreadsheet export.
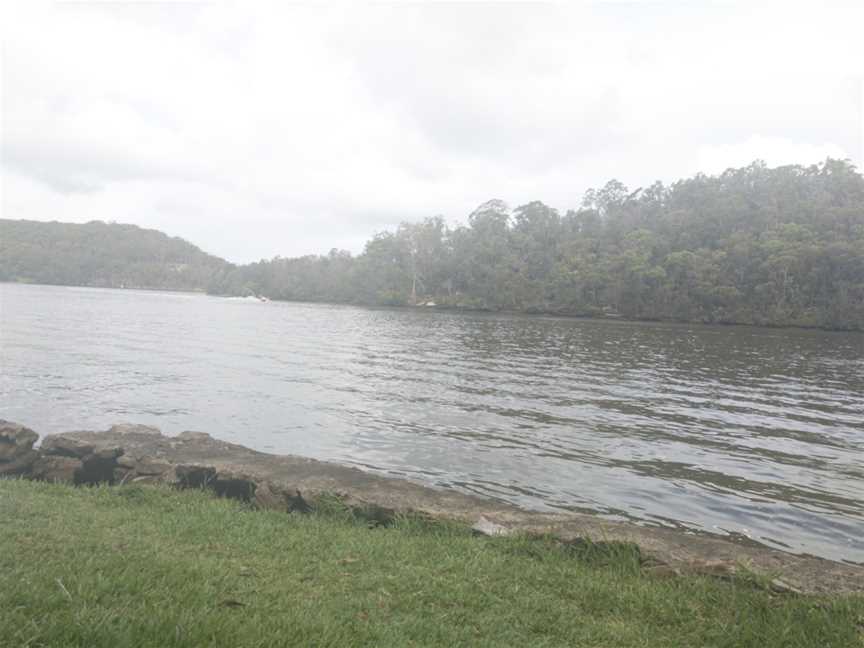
101	254
755	245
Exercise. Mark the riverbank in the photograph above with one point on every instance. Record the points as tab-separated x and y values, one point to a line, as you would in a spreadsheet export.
291	484
468	310
151	566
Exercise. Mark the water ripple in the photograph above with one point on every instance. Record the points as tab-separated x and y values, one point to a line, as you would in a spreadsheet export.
753	433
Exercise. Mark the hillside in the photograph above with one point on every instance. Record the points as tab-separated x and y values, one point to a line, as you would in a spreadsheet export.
756	245
102	254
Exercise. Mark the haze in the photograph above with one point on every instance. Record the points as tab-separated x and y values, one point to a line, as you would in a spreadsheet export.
265	130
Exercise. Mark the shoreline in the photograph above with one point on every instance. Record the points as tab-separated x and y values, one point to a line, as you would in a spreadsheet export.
467	310
142	454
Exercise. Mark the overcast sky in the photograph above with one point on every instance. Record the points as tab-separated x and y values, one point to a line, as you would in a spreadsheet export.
254	130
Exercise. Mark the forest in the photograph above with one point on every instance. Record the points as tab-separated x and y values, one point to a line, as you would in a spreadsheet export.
757	245
102	255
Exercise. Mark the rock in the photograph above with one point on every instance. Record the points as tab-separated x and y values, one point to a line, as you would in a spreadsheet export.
20	465
296	503
782	587
234	485
195	476
57	469
108	454
147	466
97	464
193	436
65	446
15	441
485	526
134	429
716	568
268	497
662	571
126	461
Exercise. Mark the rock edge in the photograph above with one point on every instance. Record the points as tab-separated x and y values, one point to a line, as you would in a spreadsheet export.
142	454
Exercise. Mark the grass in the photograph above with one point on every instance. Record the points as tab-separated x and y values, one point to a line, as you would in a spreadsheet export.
147	566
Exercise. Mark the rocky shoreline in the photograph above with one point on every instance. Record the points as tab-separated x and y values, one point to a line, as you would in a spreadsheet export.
142	454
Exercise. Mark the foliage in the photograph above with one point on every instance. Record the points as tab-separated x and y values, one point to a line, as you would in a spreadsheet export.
143	566
781	246
102	254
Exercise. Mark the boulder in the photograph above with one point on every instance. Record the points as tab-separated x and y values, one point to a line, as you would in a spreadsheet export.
97	464
57	469
64	446
148	466
190	436
20	465
124	429
15	441
485	526
268	496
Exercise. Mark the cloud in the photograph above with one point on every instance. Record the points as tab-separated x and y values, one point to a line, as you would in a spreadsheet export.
774	151
256	130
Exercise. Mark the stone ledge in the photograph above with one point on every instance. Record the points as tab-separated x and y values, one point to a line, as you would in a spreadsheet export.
141	454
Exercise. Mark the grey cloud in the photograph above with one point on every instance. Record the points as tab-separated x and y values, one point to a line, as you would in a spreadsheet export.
256	130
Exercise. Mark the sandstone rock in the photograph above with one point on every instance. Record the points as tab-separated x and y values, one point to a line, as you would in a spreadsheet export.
57	469
97	465
147	466
716	568
134	429
20	465
662	571
64	446
485	526
296	503
195	476
126	461
121	476
782	587
108	454
15	440
234	485
269	497
193	436
98	469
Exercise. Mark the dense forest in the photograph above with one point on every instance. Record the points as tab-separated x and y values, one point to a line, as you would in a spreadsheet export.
755	245
102	254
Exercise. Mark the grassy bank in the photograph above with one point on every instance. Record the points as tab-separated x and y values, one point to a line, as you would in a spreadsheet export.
142	566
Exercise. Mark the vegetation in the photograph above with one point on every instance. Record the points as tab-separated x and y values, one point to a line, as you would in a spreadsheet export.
764	246
137	566
101	254
781	246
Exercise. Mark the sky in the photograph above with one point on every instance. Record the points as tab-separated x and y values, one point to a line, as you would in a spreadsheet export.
255	130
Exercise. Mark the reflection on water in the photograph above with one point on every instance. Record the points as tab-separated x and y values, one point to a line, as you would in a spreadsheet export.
752	432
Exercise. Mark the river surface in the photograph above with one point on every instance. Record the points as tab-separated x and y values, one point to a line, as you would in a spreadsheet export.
755	433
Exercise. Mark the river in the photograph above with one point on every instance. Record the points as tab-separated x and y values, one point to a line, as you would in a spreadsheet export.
748	432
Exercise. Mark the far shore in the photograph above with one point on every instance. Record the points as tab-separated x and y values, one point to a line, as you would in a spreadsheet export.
459	309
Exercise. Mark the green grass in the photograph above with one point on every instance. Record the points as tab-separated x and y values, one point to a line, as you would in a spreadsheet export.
146	566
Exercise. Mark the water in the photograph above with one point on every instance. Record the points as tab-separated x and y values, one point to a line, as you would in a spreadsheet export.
755	433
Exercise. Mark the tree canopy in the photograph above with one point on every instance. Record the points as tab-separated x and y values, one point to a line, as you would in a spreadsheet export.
102	254
781	246
755	245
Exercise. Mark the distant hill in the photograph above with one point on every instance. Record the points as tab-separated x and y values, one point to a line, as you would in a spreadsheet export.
755	245
102	254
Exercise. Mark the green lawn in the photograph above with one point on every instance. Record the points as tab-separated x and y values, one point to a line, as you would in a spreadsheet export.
146	566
